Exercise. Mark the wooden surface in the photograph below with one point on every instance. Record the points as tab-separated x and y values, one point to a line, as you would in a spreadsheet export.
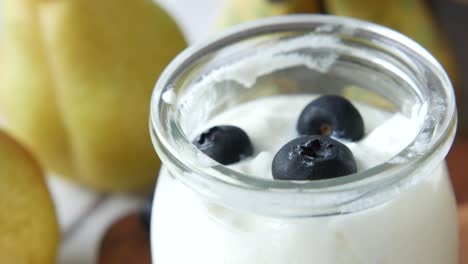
463	219
457	161
127	240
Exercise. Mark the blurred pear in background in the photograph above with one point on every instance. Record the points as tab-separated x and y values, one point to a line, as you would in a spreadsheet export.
410	17
75	85
239	11
29	232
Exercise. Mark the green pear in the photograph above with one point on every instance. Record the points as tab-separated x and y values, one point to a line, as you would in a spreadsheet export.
103	59
234	12
29	231
410	17
27	95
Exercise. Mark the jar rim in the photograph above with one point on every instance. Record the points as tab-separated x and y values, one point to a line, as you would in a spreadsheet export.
403	164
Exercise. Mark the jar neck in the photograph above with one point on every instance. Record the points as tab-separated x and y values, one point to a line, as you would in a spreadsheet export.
389	54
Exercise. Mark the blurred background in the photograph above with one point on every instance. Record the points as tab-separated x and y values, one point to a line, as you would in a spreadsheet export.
75	81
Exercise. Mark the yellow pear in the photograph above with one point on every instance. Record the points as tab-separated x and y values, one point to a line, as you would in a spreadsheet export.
239	11
29	232
27	96
100	61
411	17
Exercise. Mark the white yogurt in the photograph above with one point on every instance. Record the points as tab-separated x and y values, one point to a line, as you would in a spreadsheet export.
271	123
417	227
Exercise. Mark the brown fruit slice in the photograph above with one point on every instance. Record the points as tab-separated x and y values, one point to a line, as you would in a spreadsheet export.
126	241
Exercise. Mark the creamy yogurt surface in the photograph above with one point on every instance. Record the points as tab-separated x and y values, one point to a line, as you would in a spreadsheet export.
419	226
271	122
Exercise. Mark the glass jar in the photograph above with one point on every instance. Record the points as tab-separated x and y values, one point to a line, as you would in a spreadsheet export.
400	211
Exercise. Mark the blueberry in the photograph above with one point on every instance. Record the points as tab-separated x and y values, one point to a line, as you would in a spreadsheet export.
331	115
313	158
225	144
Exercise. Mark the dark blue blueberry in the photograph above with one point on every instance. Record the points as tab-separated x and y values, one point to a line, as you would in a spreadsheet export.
313	158
331	115
225	144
